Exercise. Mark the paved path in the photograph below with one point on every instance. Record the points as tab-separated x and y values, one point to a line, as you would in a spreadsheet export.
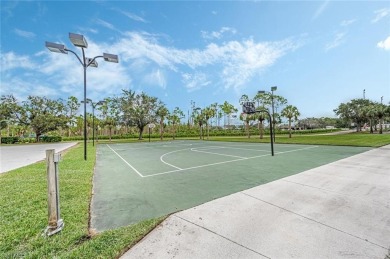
339	210
16	156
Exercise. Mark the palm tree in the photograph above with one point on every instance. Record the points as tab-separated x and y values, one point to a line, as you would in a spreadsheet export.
260	116
162	113
199	119
227	109
291	113
246	118
174	118
208	112
381	111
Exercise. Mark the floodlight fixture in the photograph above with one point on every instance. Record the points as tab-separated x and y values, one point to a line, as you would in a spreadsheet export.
273	88
78	40
261	92
55	47
110	57
89	62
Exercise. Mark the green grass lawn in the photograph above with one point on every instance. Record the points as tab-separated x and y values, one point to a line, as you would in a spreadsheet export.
353	139
24	216
23	204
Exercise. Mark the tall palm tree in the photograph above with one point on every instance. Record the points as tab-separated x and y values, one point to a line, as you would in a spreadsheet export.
291	113
199	119
247	118
208	112
162	113
228	109
260	116
381	111
174	118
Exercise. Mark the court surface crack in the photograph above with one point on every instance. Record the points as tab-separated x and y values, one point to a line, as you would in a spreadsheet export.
215	233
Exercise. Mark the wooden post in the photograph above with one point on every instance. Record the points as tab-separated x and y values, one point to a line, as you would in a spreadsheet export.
53	202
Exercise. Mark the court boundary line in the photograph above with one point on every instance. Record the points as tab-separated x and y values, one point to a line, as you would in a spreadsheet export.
132	167
161	158
224	162
206	152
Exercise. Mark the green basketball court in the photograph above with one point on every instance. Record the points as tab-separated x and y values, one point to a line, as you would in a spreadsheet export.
136	181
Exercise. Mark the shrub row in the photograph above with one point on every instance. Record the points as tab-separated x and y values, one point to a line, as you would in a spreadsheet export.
9	140
13	140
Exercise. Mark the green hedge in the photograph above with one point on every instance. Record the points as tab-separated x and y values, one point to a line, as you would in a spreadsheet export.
9	140
50	138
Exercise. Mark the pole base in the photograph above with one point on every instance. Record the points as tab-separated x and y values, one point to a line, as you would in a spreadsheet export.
49	231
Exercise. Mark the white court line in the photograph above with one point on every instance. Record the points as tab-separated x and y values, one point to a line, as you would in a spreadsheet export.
225	162
162	160
193	149
229	147
125	161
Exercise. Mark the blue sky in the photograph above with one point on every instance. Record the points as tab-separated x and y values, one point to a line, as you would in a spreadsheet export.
318	53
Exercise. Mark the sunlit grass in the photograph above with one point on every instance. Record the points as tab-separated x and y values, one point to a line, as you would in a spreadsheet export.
24	216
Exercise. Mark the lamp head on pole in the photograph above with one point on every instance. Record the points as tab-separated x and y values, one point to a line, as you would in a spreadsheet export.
54	47
273	88
110	57
91	62
78	40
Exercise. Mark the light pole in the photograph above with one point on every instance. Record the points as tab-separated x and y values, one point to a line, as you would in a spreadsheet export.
79	40
381	99
364	93
93	116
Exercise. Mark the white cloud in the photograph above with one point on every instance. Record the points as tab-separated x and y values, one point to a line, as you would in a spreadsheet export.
24	34
380	14
156	77
217	34
133	16
105	24
195	81
143	59
347	22
11	61
320	9
337	41
384	44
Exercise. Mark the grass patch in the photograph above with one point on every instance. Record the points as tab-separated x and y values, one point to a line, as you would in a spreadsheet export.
23	210
353	139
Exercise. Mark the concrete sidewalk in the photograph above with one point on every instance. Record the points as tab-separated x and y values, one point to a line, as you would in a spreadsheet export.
16	156
339	210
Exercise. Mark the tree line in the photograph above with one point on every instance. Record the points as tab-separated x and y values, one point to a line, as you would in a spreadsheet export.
42	115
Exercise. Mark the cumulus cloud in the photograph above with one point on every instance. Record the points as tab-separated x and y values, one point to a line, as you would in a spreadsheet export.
195	81
380	14
10	60
384	44
143	59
